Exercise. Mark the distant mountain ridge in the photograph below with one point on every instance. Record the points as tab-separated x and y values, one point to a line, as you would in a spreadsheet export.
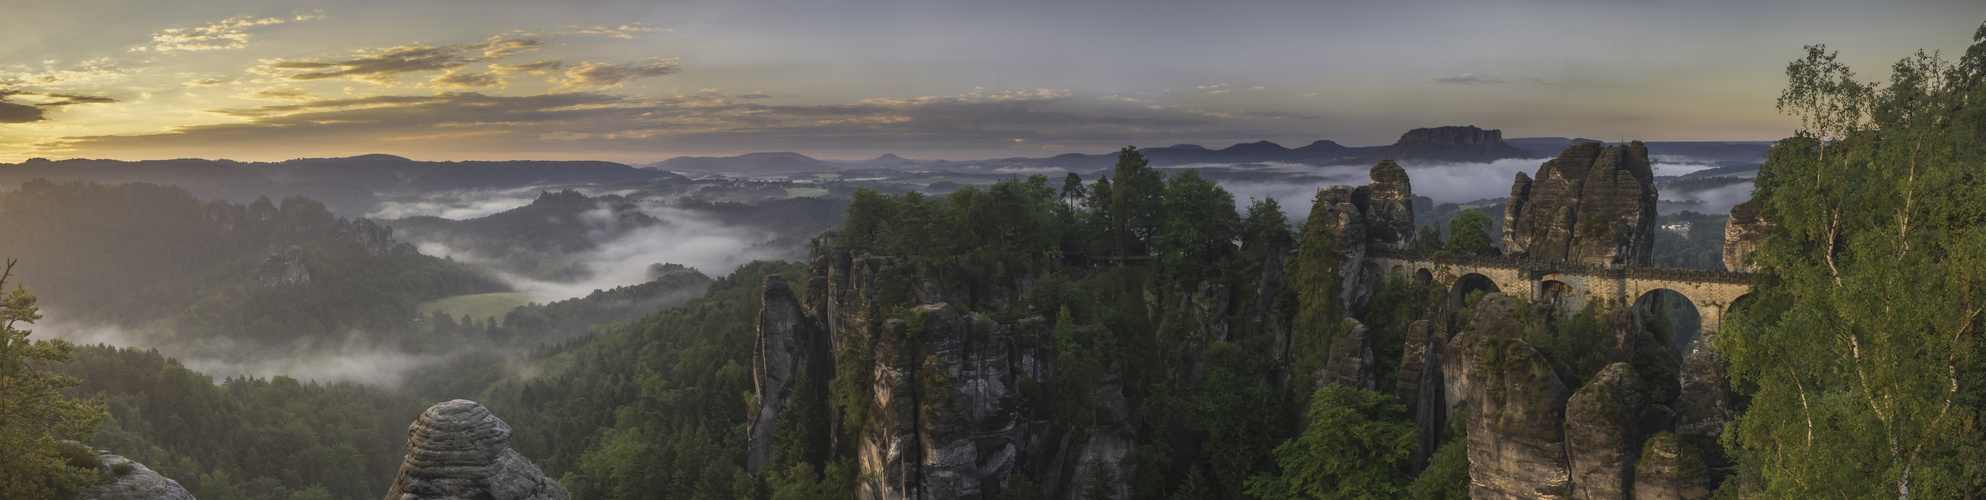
1464	144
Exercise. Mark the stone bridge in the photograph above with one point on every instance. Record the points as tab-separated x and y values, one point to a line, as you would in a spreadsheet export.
1569	284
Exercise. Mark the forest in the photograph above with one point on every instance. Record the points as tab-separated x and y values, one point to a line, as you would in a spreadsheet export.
1206	333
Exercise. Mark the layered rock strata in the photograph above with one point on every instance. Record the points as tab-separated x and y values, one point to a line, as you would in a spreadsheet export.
1592	204
457	449
1743	234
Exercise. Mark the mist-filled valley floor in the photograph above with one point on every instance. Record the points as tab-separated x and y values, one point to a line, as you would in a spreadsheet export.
264	319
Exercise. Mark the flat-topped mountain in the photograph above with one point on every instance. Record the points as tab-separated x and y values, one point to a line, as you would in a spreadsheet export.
1466	144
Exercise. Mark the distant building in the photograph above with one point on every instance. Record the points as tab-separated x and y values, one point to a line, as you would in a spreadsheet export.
1681	226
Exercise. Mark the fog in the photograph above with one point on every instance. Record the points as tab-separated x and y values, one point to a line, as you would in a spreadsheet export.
690	238
346	360
456	205
1449	183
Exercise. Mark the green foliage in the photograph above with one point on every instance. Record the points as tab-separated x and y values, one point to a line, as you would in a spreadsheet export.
1702	247
1226	410
1137	203
1858	347
1317	283
34	414
1428	239
1356	446
1583	340
280	434
649	408
1469	234
1446	476
1198	230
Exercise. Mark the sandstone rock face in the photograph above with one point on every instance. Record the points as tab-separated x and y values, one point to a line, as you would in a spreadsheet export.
1494	318
1705	402
140	484
285	268
1413	357
1592	204
1351	358
1449	144
1600	438
1335	205
1742	236
457	449
1516	441
1389	208
1670	469
786	351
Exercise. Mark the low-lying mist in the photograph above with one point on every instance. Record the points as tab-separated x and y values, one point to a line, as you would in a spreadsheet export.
349	360
1446	183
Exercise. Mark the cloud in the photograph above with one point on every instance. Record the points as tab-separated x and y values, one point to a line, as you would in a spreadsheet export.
92	69
598	122
225	34
20	113
458	79
536	68
12	112
287	94
385	66
624	31
1464	79
204	82
609	75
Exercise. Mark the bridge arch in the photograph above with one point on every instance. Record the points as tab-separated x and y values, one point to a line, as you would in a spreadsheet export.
1467	284
1678	314
1560	295
1423	276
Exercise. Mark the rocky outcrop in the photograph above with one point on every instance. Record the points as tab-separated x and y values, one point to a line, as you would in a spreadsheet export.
1389	207
1592	204
787	356
457	449
1743	234
1464	144
1705	402
131	481
1420	387
284	268
1351	360
1670	469
1494	318
1343	218
1600	433
1516	441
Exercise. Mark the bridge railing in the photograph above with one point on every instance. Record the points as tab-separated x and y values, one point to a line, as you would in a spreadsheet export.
1580	268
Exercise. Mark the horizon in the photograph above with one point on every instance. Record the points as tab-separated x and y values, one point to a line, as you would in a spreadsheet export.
638	83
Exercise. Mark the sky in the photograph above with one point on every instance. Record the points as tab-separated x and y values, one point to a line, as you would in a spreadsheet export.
643	81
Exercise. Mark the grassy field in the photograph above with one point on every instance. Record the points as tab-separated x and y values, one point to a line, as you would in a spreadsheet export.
806	192
479	306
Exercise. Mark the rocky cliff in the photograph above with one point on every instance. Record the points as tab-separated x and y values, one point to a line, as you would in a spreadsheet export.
1743	234
1592	204
131	481
789	355
1466	144
457	449
284	268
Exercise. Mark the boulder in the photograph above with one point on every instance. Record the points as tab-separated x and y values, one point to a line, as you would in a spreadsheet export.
457	449
137	483
1592	204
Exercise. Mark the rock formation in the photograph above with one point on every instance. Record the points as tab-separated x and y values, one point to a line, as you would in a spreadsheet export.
1743	234
1351	360
1670	469
1388	205
457	449
1466	144
137	482
1600	428
1592	204
1516	441
284	268
787	352
1343	217
377	239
